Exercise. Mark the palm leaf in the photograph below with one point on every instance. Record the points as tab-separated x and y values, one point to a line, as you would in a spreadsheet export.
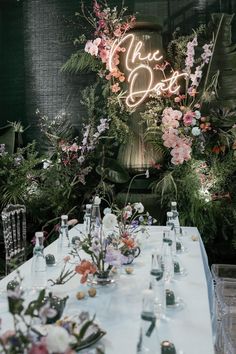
165	186
223	59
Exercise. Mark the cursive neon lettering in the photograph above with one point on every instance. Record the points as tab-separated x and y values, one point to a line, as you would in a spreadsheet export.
135	98
130	99
133	55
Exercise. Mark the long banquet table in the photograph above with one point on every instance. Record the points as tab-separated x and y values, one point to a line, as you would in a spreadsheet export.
118	306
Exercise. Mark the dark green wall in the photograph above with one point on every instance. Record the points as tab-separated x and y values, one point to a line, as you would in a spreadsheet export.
12	85
36	39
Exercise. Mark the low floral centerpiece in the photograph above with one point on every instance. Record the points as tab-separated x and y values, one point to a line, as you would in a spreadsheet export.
31	335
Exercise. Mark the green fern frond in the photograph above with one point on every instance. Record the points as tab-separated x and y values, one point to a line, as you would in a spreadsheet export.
81	62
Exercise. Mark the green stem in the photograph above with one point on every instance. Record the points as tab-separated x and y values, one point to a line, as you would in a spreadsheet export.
127	194
213	50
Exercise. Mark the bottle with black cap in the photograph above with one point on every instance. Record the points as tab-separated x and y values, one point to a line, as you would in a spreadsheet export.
149	342
171	225
96	220
158	286
63	240
39	266
175	217
87	218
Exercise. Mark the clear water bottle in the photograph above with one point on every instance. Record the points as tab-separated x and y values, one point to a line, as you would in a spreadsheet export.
96	220
158	286
63	241
87	218
149	342
39	279
167	260
171	225
175	217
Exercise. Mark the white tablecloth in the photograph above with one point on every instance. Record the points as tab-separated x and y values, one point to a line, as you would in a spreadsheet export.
118	307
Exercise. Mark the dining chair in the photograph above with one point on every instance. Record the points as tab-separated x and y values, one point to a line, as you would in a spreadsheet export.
14	235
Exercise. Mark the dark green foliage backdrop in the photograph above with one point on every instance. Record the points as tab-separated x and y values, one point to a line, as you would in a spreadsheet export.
12	84
36	39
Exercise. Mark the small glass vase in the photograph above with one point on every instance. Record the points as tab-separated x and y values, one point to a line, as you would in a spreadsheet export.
131	254
105	277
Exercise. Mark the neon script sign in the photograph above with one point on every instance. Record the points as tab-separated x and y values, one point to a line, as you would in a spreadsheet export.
137	65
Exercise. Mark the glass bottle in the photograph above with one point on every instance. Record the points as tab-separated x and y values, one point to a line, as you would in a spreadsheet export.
87	218
39	279
177	229
175	217
149	342
171	225
96	220
63	240
158	286
166	232
167	260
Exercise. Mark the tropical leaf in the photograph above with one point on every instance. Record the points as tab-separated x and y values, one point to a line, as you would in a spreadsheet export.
165	186
223	59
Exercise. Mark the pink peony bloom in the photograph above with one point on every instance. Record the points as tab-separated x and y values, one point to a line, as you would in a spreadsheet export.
188	118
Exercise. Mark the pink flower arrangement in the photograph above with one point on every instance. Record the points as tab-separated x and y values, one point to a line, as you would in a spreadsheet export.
170	118
179	131
181	152
182	125
110	25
